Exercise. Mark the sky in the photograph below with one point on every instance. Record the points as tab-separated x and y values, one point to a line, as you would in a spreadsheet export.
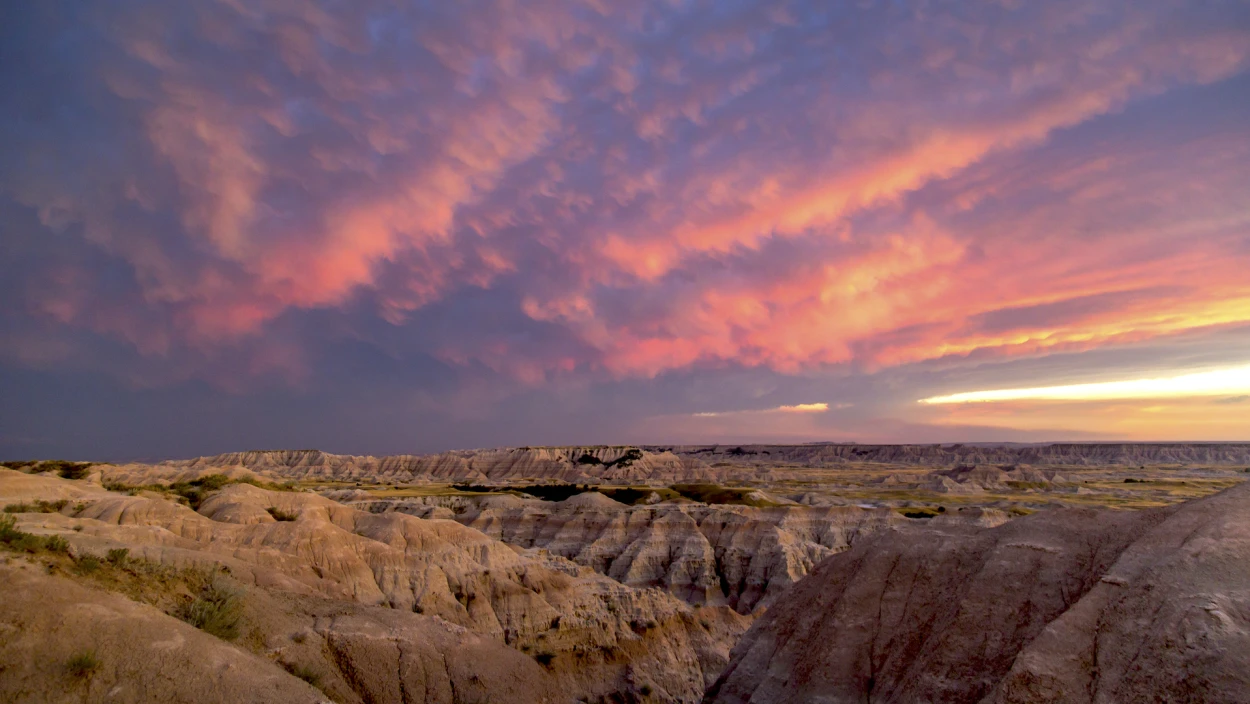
385	227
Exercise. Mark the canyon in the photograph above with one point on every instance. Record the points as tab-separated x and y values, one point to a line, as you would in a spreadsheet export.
629	574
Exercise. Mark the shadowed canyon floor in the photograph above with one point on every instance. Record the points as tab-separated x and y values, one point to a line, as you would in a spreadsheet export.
628	574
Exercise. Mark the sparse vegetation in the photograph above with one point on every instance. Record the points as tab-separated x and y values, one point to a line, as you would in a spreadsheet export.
65	468
280	515
87	564
82	665
21	541
545	659
194	492
717	494
118	557
37	507
217	610
74	470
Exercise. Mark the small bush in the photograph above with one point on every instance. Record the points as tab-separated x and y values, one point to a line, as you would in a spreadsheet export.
118	557
83	664
87	564
218	611
280	515
55	543
212	482
544	659
20	540
645	690
68	470
7	529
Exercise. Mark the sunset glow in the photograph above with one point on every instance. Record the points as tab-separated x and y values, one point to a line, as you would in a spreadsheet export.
400	227
1221	382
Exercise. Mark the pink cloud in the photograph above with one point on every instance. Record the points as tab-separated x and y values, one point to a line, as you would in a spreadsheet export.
657	189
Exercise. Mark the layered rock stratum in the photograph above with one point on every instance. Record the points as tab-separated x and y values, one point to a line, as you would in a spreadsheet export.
1067	605
668	464
738	556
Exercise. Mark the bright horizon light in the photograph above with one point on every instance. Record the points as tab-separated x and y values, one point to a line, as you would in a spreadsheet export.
1235	380
797	408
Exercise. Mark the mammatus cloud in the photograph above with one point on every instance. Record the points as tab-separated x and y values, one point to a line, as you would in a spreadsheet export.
553	191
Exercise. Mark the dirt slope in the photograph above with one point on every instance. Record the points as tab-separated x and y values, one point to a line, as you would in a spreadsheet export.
1064	606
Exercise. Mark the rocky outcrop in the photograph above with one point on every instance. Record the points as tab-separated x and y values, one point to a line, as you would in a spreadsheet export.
596	636
966	479
659	465
1068	605
1073	454
734	555
607	464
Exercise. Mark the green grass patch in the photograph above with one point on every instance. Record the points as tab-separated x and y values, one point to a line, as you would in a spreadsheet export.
216	610
82	665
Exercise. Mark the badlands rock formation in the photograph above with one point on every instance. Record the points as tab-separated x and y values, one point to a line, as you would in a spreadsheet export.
616	464
1068	605
966	479
354	653
734	555
707	463
1074	454
594	636
46	621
